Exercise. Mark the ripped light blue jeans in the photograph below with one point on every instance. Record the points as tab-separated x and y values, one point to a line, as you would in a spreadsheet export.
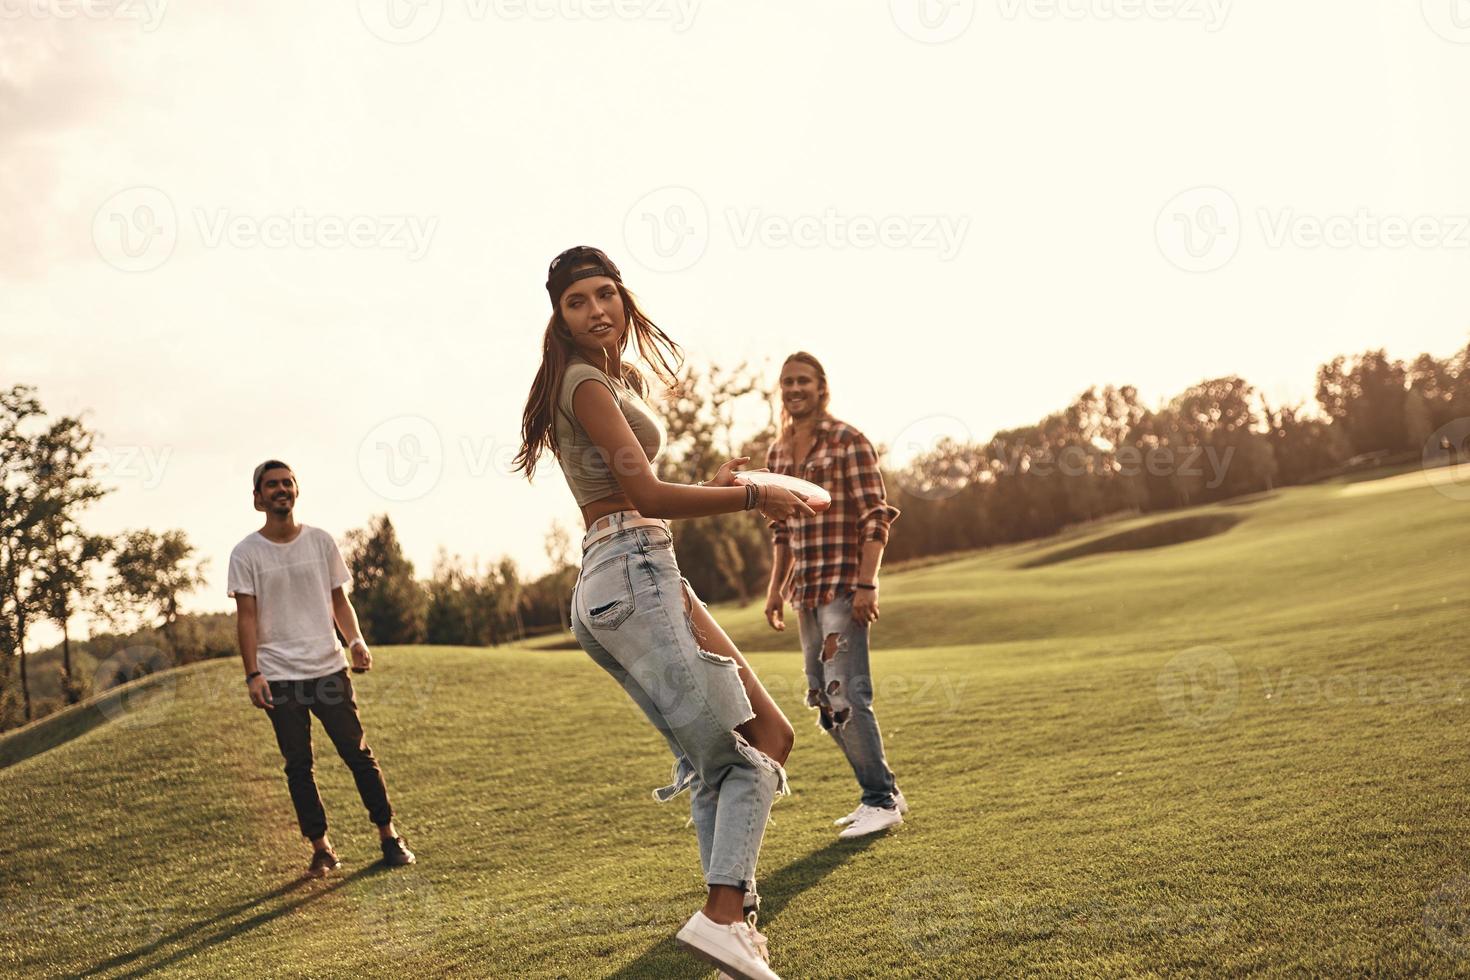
630	613
840	685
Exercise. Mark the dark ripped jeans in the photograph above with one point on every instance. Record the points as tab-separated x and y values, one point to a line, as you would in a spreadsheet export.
330	698
840	686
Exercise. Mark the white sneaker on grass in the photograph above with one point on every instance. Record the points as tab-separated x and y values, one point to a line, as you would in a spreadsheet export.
737	948
870	820
903	807
761	944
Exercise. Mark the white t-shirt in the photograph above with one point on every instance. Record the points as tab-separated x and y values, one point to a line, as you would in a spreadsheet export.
292	584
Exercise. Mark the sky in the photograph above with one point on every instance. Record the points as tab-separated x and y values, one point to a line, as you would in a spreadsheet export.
320	232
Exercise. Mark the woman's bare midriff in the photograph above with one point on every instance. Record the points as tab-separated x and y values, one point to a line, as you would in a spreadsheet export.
604	506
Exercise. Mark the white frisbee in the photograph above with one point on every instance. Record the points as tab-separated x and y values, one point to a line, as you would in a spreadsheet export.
816	496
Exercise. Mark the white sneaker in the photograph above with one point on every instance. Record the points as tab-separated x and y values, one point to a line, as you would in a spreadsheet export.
761	944
736	948
871	819
903	807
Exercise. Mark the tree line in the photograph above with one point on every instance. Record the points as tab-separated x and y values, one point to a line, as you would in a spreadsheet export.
1106	453
51	568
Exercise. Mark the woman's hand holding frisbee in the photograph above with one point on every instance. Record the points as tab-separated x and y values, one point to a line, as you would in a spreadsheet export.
778	504
778	486
725	476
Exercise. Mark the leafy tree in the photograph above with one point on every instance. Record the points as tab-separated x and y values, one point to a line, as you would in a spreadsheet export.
151	571
45	481
1367	399
390	604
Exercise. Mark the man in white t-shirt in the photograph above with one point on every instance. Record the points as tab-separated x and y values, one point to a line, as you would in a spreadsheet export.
288	584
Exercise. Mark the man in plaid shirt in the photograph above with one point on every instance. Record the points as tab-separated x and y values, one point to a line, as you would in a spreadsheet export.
827	566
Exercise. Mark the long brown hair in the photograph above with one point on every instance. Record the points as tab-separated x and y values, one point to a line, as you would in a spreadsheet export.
656	348
788	431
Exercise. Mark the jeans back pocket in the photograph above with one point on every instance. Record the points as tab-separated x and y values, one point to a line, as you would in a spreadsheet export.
607	593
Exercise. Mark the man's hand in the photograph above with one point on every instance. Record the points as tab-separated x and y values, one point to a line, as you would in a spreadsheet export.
260	692
362	657
775	612
865	606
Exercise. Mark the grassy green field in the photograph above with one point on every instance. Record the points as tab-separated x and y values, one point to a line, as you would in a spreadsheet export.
1242	753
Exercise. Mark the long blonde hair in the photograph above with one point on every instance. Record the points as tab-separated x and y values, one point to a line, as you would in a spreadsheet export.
788	429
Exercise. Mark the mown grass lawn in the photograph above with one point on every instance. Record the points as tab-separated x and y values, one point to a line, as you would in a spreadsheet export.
1246	753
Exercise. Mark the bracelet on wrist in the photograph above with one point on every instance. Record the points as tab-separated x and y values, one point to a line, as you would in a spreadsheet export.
862	586
251	676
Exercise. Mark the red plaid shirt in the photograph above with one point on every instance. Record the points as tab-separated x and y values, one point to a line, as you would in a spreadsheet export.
826	548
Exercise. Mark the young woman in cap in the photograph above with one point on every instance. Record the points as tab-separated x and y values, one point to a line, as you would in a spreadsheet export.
633	612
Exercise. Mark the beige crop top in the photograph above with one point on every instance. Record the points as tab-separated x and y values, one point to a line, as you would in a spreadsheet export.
583	464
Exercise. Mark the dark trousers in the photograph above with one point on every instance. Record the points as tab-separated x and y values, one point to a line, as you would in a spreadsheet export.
330	698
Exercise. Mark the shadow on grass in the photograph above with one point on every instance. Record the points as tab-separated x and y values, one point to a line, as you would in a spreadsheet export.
219	928
668	959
